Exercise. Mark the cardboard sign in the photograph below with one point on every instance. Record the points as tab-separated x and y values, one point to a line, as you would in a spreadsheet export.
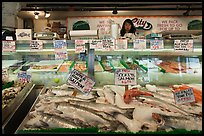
108	44
60	49
80	81
23	76
156	44
125	77
95	44
5	74
139	44
184	96
36	45
8	46
183	45
80	46
121	44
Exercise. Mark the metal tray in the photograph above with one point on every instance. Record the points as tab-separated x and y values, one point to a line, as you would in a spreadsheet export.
14	104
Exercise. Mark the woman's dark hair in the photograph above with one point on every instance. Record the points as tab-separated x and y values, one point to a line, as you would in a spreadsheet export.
132	30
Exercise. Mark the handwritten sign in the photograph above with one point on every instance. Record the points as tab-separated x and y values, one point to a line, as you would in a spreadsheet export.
156	44
23	76
184	96
121	44
60	49
108	44
139	44
125	77
5	74
80	81
80	46
183	45
36	45
95	44
8	46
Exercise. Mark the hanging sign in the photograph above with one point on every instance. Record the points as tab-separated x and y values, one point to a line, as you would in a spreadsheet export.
23	76
36	45
60	49
108	44
125	77
139	44
121	44
9	46
156	44
95	44
80	81
183	45
184	96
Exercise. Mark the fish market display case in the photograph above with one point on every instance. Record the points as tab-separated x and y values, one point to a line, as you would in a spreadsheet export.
160	74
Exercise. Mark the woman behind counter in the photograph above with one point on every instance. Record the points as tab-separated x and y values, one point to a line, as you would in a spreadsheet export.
128	29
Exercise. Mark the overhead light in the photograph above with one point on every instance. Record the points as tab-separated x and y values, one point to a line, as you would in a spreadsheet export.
115	11
36	15
47	14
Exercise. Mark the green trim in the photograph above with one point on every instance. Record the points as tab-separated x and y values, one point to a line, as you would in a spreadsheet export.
7	85
124	64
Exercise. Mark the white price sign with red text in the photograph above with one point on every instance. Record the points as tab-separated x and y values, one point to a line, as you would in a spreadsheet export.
184	96
9	46
125	77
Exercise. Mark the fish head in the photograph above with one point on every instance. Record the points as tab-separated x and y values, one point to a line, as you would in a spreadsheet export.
156	117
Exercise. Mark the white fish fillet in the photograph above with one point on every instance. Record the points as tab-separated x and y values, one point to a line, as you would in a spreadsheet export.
109	95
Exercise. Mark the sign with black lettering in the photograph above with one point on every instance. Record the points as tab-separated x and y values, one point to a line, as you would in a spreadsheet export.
125	77
183	45
80	46
95	44
36	45
184	96
8	46
108	44
80	81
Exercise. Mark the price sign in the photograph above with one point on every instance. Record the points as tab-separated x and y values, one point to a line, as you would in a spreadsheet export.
60	49
108	44
183	45
121	44
23	76
36	45
184	96
5	75
95	44
139	44
80	81
8	46
156	44
60	44
80	46
125	77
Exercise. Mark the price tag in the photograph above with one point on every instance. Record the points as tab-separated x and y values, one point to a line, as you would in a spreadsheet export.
80	46
125	77
5	75
60	44
36	45
184	96
108	44
156	44
80	81
60	49
95	44
9	46
121	44
139	44
23	76
183	45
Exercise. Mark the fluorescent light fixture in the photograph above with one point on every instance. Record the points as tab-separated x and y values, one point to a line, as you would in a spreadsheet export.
47	14
36	15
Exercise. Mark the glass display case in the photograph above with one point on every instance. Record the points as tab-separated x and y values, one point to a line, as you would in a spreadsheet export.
159	72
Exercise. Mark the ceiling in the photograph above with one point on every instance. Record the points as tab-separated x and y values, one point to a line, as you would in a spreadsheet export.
64	9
